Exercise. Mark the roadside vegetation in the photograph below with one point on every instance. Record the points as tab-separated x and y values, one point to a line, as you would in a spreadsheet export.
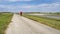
55	23
5	19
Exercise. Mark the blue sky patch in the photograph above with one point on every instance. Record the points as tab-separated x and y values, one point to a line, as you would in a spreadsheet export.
30	5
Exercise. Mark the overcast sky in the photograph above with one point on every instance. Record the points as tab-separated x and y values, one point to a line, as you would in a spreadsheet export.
30	5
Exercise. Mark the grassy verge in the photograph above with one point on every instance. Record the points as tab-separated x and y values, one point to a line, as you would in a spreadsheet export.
5	19
55	23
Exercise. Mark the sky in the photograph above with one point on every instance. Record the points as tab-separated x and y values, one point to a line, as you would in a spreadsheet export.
30	5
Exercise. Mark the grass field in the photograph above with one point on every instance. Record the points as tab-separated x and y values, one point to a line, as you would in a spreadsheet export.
55	23
5	19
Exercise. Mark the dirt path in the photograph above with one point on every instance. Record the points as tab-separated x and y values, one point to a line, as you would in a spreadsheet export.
22	25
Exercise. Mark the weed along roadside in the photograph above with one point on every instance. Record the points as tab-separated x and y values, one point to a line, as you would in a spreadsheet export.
5	19
54	23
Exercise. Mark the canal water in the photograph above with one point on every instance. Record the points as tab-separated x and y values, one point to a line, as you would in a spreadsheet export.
46	15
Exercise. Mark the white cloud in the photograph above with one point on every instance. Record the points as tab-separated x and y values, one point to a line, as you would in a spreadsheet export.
53	5
40	7
50	7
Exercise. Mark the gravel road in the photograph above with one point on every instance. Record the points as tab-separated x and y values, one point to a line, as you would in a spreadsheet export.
22	25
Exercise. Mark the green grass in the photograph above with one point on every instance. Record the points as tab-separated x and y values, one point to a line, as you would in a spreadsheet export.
55	23
5	19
